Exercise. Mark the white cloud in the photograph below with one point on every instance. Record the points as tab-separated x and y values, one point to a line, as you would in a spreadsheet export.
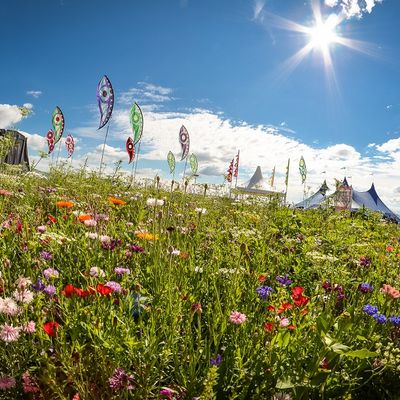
353	8
145	93
29	106
9	115
34	93
258	8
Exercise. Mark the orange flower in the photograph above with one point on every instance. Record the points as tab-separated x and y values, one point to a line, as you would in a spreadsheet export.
389	248
146	236
390	291
262	277
84	217
117	202
64	204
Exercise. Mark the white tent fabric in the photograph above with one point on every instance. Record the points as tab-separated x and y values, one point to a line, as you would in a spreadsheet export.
258	185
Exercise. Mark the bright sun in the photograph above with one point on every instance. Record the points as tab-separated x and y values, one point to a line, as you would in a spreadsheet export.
323	34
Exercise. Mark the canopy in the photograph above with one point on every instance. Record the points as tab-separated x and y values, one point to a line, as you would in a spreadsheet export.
19	153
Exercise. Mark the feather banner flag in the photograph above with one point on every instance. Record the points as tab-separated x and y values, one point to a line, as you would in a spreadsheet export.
130	148
230	171
136	120
58	122
70	144
194	165
287	173
50	140
171	162
302	169
105	100
184	140
236	170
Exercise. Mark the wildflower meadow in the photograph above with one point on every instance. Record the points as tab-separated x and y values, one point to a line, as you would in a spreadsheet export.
114	291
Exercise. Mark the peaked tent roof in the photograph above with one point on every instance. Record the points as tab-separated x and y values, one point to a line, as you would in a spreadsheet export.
371	200
19	153
257	184
316	199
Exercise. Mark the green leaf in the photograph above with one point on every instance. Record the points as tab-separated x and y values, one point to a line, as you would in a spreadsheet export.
362	353
284	384
340	348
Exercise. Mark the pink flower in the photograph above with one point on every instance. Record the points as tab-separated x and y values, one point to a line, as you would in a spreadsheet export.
90	222
29	327
390	291
9	307
41	229
28	384
7	382
284	322
22	282
23	295
237	318
9	333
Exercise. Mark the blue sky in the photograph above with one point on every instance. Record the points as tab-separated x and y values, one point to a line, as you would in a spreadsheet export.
218	67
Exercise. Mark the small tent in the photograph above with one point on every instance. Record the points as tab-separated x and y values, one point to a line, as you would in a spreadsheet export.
316	199
257	184
19	152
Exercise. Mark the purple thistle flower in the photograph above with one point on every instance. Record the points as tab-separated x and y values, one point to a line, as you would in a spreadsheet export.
50	290
50	273
327	286
121	380
115	286
284	280
46	255
379	318
39	285
395	320
135	248
264	291
122	271
370	310
365	288
217	360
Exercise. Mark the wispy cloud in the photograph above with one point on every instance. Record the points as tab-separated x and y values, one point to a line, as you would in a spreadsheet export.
34	93
258	8
353	8
145	93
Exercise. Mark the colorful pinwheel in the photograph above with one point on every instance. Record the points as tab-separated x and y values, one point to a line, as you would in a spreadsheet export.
50	140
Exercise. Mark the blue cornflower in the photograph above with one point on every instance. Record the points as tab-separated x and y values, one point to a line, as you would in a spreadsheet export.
379	318
370	310
284	280
264	291
39	285
365	287
217	360
395	320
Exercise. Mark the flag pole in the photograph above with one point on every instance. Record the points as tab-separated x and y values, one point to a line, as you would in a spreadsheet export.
137	160
237	171
184	171
104	145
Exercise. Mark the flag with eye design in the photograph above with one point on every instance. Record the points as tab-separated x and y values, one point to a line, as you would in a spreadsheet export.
70	144
194	165
171	162
130	148
58	122
184	140
136	120
50	140
105	100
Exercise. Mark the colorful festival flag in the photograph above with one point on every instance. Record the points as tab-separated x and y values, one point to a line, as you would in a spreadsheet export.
236	170
58	122
230	171
184	141
171	162
272	178
130	148
70	144
136	120
105	100
302	169
287	173
194	165
50	140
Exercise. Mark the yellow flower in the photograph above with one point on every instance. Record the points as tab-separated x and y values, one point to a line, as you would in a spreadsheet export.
146	236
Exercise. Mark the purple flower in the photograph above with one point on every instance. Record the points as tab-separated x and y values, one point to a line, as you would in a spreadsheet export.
121	380
111	244
284	280
370	310
46	255
115	286
100	217
122	271
50	290
327	286
50	273
39	285
379	318
217	360
395	320
364	261
135	248
365	288
264	291
167	393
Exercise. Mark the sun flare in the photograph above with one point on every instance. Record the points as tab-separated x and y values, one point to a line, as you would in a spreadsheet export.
324	34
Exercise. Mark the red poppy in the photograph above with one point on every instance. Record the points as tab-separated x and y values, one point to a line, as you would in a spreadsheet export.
103	290
297	291
68	290
52	220
284	306
297	296
261	278
271	308
268	326
292	327
50	327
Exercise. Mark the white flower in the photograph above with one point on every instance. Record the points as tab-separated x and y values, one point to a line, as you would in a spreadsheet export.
91	235
9	307
201	210
96	272
198	269
154	202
